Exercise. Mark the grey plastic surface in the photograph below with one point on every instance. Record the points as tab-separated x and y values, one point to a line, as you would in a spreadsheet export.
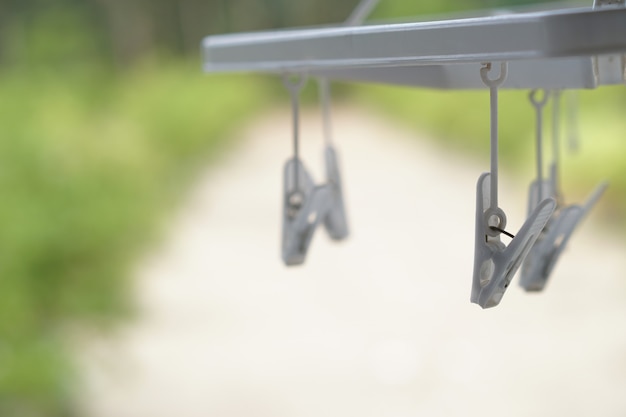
336	222
553	42
562	73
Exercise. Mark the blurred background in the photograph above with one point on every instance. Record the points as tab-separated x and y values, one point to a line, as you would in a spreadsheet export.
107	124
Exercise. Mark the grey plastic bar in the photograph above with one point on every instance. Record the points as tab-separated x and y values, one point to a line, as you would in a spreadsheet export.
548	49
561	73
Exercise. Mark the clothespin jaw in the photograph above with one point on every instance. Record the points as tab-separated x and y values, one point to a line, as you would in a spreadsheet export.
547	190
543	257
495	264
304	205
336	222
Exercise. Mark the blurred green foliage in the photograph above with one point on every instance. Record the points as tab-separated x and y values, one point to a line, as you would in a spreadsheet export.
88	167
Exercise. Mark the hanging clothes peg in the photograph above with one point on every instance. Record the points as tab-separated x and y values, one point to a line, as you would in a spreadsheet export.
335	222
304	203
495	263
304	206
543	256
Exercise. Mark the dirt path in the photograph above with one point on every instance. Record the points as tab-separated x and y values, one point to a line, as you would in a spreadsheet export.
380	325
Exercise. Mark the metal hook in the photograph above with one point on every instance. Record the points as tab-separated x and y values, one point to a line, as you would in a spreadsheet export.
538	103
295	82
491	83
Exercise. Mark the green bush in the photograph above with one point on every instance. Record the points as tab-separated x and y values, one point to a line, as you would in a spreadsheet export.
88	167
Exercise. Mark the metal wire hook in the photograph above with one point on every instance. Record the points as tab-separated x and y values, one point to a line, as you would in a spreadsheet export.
538	103
294	82
484	74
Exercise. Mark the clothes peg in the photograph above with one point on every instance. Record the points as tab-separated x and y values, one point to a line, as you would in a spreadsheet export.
304	204
543	256
495	263
335	222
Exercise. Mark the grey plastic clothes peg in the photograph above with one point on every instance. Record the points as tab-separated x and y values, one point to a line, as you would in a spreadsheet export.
542	258
495	264
302	201
304	205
